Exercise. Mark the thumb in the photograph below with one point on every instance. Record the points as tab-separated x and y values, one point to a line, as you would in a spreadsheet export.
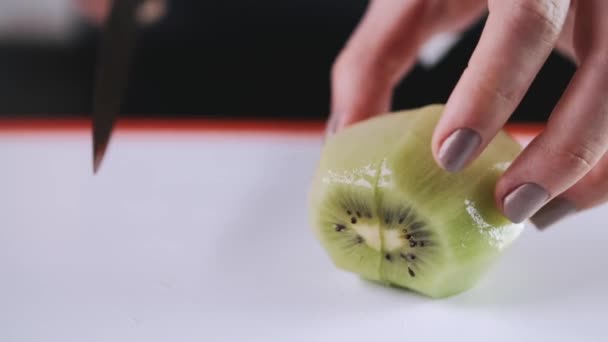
382	49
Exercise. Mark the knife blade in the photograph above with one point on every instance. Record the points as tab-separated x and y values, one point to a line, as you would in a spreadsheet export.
116	48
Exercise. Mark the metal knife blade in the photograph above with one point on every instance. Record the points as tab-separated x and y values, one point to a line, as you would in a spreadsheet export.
112	73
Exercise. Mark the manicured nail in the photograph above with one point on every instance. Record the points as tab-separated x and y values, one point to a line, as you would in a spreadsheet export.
332	125
554	211
524	201
458	148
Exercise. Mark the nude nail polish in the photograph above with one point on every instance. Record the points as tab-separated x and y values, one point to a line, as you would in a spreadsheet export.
524	202
554	211
458	148
332	125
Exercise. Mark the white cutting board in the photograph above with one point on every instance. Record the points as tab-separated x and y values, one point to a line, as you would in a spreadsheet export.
205	237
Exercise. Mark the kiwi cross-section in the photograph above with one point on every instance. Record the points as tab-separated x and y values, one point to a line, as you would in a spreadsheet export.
383	209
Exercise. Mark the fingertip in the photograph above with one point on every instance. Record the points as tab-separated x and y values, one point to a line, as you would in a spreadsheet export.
95	11
332	125
524	201
553	212
507	183
458	149
151	11
460	133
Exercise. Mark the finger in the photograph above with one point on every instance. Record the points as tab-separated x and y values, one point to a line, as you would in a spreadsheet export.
94	10
565	43
589	192
592	190
149	12
383	48
574	140
518	38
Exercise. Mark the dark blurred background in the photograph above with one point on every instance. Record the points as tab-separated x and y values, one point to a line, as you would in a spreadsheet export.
234	59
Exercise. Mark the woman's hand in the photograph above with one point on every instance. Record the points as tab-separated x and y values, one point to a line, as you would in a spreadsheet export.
97	10
565	168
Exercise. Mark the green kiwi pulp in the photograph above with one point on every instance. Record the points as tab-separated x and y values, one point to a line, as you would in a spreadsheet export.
383	209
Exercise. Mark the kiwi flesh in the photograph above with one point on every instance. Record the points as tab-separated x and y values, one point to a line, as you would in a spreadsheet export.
382	208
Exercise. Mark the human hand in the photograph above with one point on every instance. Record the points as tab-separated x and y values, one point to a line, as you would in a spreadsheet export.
565	168
97	10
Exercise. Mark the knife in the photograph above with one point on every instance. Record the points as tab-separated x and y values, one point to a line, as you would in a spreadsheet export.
112	73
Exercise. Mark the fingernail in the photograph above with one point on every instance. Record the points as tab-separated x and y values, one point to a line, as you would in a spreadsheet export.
458	148
554	211
332	125
524	201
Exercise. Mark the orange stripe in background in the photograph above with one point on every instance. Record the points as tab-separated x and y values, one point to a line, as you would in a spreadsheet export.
26	126
163	125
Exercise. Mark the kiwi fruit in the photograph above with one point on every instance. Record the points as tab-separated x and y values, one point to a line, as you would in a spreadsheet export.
383	209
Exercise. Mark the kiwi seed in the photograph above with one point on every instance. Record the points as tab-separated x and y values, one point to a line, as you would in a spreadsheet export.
416	225
421	234
419	210
408	257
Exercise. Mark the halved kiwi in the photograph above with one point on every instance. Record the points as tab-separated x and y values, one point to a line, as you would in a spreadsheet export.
383	209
